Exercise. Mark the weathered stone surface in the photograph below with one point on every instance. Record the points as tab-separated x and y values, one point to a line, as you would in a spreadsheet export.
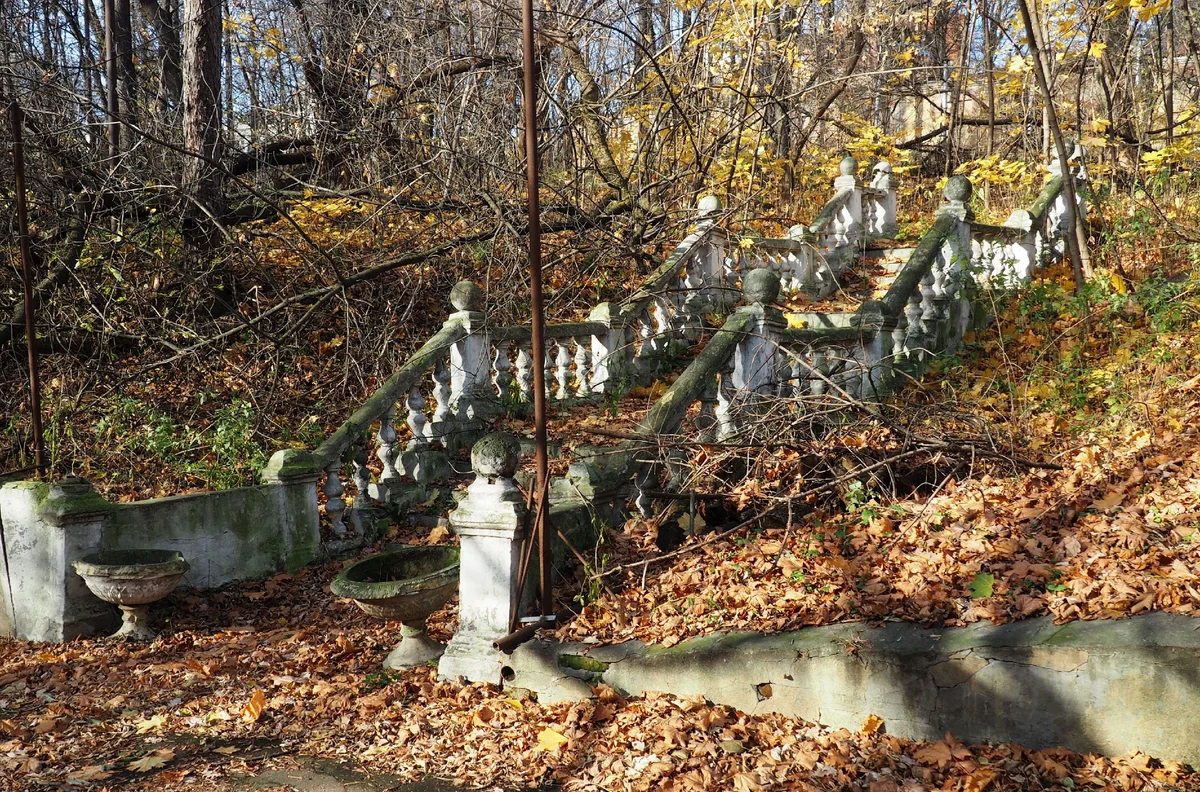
289	464
1111	687
958	188
466	296
496	454
227	535
761	287
489	522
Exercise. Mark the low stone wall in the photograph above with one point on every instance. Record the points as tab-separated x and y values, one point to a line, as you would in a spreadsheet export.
226	535
1110	687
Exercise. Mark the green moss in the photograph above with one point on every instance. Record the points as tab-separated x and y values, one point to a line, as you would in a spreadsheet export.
581	663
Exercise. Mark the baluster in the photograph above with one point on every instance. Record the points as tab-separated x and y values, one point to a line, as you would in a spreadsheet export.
335	507
525	373
899	332
562	369
913	351
783	373
662	326
820	372
692	314
645	352
388	452
706	419
928	309
797	380
362	477
583	366
644	480
502	377
548	372
416	421
726	423
443	414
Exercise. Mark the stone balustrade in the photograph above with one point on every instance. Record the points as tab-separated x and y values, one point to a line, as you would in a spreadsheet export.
471	372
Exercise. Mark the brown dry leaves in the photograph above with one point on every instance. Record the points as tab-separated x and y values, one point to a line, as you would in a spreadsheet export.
168	717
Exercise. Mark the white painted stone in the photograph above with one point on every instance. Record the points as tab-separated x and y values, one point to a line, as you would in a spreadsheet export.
489	523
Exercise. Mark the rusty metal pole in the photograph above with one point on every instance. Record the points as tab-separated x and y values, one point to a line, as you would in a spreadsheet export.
16	120
541	520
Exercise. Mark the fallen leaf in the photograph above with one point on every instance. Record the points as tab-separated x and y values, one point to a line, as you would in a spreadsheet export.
152	760
982	585
937	753
872	724
550	740
979	780
254	708
89	773
150	724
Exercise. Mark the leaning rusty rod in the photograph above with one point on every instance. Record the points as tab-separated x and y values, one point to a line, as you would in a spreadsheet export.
542	517
16	120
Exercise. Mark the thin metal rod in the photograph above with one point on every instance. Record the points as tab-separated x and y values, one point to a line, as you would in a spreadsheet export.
535	298
17	121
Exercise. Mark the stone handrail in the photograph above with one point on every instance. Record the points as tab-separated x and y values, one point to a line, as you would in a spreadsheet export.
480	371
810	258
334	448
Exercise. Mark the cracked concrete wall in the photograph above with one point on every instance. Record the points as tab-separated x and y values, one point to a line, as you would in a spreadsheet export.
1111	687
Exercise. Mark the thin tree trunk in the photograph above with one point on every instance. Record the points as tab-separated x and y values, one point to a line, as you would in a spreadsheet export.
1080	263
202	111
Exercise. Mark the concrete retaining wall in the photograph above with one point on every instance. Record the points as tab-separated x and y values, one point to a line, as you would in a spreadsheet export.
227	535
1110	687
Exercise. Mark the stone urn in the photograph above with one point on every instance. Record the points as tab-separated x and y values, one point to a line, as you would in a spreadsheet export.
131	580
405	584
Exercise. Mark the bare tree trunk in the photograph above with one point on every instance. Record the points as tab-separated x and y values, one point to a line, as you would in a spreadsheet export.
170	54
202	111
1169	76
1080	262
126	71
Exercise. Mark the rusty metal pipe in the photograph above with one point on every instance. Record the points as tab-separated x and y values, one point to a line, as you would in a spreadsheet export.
542	516
518	637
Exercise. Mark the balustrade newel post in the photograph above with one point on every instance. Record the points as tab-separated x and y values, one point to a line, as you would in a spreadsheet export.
754	369
490	524
951	268
849	220
712	259
470	364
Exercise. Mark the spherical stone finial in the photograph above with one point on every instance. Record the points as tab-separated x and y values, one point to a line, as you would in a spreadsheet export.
958	188
883	166
466	296
710	205
760	286
848	166
496	454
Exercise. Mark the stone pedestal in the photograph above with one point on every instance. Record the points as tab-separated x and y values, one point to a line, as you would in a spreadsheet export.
489	522
48	528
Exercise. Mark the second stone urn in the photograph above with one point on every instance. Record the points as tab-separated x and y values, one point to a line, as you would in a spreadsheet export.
405	584
131	580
